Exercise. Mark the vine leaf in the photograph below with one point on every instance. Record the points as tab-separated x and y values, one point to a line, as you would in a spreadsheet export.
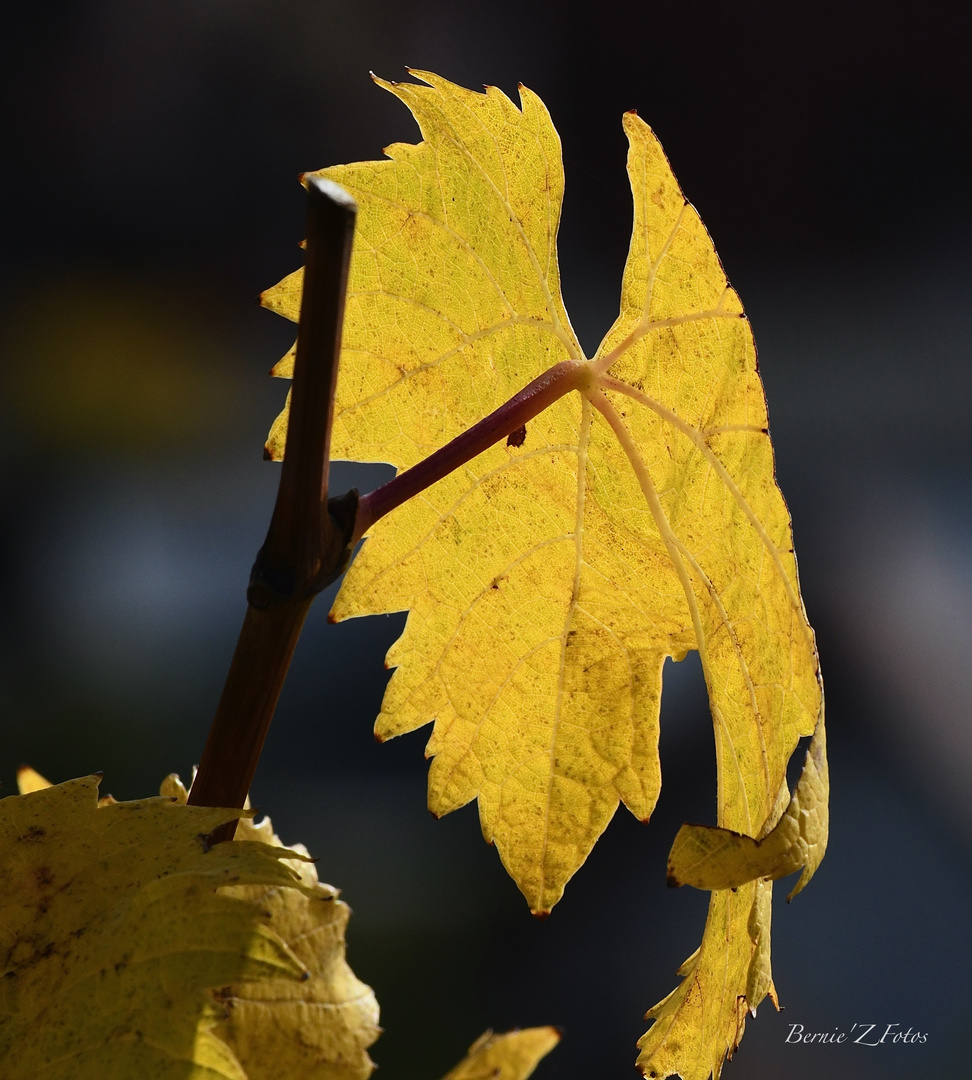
512	1056
117	923
546	582
548	579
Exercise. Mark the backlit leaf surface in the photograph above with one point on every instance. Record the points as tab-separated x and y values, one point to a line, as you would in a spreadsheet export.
548	579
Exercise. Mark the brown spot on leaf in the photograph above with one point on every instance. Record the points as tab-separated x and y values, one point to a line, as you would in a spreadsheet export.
518	437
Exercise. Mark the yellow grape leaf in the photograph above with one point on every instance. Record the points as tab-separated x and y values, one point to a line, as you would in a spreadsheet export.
512	1056
548	579
116	922
317	1029
713	858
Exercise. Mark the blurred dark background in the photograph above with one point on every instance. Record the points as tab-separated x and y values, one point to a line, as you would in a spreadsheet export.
150	156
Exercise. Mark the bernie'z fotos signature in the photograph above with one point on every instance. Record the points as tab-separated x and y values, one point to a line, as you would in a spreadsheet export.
859	1034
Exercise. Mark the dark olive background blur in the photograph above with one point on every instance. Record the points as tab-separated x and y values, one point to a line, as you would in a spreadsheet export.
149	164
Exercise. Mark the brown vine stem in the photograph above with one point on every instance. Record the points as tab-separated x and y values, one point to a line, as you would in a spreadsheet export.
308	542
